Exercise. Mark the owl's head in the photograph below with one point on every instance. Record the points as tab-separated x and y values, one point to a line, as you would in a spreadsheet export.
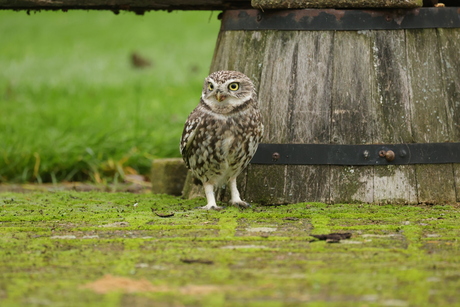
223	91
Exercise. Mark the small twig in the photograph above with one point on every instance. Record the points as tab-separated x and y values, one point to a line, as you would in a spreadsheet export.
333	237
289	218
202	261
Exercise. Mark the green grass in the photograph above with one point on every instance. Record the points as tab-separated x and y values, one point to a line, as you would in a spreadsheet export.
101	249
72	107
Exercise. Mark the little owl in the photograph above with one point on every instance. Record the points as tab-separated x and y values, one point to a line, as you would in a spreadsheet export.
221	135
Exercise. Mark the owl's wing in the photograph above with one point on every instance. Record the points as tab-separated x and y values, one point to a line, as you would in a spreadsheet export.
191	127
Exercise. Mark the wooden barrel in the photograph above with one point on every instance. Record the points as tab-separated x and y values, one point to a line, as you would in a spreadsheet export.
331	82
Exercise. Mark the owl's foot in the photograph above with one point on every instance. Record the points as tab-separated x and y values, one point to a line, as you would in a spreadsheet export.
236	199
240	204
210	207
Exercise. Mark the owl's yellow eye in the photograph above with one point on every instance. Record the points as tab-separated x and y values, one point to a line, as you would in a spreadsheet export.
234	86
210	86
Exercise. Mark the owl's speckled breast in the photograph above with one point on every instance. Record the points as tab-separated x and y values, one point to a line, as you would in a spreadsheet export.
222	147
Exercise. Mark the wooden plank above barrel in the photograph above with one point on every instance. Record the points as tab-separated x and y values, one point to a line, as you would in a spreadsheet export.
137	6
302	4
141	6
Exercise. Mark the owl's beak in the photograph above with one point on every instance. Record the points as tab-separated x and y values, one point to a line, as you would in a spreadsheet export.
220	97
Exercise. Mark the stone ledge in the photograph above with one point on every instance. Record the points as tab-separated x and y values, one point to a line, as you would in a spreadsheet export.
168	176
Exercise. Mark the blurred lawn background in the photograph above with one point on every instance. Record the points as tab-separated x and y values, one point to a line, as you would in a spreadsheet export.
74	108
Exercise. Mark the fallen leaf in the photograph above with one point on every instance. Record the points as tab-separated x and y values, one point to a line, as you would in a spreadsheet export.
164	214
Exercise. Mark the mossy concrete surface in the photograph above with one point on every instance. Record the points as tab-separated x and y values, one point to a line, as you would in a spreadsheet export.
120	249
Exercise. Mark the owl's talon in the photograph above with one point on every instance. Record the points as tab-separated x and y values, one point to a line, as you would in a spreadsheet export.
241	204
217	208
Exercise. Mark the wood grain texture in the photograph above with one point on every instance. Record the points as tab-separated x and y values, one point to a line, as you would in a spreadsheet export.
435	183
352	113
457	181
311	88
309	109
266	184
275	85
429	117
395	184
274	93
302	4
391	88
449	42
391	99
295	100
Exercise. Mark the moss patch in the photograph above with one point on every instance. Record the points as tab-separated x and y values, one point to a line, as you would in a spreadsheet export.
104	249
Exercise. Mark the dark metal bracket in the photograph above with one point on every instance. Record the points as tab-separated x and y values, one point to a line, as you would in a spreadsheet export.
341	19
373	154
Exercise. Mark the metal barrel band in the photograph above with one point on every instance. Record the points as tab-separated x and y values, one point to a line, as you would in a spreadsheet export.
341	20
372	154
